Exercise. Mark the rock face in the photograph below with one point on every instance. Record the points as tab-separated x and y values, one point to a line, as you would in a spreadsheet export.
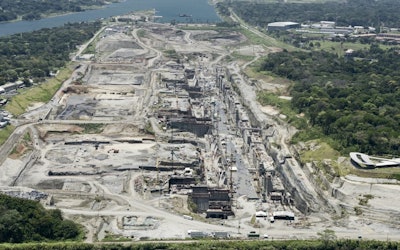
25	194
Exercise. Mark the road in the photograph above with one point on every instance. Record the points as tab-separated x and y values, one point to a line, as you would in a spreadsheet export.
152	89
270	40
138	207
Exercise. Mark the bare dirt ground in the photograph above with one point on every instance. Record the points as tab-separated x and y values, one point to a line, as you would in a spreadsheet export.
88	155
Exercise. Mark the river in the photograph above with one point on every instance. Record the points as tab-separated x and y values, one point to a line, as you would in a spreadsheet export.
195	11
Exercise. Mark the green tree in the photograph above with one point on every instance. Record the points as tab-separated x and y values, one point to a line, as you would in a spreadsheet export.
327	236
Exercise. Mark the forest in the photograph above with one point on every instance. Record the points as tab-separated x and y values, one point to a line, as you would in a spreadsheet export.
344	13
34	55
354	100
23	220
35	9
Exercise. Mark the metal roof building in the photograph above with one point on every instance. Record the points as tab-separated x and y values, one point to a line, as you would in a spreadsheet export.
282	26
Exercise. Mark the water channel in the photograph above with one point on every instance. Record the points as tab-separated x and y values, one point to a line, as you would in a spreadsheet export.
181	11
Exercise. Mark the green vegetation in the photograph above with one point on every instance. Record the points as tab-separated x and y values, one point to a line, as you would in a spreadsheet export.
253	220
31	10
91	48
92	128
5	133
351	100
264	40
358	211
241	57
172	54
327	236
344	13
41	93
27	138
386	173
337	45
36	54
364	199
321	152
141	33
211	244
149	128
22	147
116	238
26	220
348	93
253	71
267	98
192	206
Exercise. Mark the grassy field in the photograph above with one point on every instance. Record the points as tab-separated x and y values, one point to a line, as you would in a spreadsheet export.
241	57
322	151
386	173
40	93
5	133
340	48
268	98
266	40
253	72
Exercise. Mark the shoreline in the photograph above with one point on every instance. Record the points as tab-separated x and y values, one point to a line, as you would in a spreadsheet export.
62	13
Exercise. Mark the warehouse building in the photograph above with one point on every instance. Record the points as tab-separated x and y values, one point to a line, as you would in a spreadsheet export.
282	26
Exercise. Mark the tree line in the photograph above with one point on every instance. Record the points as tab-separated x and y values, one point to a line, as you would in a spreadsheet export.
23	220
354	100
35	9
34	55
344	13
215	244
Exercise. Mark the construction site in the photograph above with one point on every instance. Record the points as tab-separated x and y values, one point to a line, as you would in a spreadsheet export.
159	135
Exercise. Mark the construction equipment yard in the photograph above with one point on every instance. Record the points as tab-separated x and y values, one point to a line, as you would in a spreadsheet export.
159	134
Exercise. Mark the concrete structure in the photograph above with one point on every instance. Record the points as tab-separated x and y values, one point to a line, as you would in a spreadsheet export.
197	234
215	202
365	161
221	235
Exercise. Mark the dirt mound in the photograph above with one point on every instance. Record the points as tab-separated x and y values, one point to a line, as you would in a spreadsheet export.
122	129
76	89
19	150
45	130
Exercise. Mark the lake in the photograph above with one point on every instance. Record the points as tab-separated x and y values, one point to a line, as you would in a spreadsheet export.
198	11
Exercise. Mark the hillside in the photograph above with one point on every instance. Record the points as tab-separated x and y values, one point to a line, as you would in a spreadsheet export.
24	220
